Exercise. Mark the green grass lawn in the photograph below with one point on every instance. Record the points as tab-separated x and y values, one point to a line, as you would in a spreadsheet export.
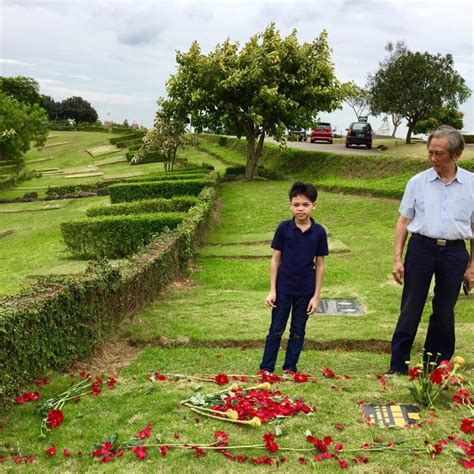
72	158
31	244
35	245
214	321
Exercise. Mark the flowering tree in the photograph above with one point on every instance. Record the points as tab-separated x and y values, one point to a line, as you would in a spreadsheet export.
270	84
166	136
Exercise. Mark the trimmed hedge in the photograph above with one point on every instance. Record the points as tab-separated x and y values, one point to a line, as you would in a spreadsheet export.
116	236
175	204
102	186
125	138
137	191
63	319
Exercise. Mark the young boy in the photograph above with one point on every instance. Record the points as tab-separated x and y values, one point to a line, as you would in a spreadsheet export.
296	276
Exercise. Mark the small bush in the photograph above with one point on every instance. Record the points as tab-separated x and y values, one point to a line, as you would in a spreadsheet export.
115	236
175	204
222	141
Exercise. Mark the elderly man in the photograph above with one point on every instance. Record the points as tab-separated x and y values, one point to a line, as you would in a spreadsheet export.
438	210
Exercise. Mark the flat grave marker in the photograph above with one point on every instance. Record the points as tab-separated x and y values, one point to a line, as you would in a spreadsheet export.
340	307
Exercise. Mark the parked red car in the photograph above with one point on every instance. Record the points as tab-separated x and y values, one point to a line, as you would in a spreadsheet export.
322	132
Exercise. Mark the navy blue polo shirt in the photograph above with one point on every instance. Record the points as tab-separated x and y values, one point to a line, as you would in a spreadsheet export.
296	275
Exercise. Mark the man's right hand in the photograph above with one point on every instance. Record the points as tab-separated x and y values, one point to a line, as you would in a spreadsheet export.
398	271
270	300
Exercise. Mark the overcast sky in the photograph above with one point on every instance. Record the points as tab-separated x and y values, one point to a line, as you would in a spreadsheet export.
117	54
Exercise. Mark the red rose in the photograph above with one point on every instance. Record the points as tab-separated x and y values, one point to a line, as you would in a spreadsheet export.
414	373
54	419
462	397
145	432
467	425
300	378
164	450
140	452
51	451
436	376
343	464
329	373
222	379
222	438
269	440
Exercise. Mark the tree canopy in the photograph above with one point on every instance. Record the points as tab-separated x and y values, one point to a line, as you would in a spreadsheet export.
23	89
24	124
261	89
444	116
415	85
357	98
78	109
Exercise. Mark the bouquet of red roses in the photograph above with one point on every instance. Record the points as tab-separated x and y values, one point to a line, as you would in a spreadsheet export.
429	378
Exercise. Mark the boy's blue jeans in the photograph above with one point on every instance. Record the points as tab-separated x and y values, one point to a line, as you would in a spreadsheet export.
284	304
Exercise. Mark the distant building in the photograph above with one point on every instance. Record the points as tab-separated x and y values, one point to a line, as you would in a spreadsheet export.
135	124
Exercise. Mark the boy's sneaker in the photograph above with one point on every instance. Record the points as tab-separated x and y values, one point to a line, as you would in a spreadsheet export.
265	373
291	373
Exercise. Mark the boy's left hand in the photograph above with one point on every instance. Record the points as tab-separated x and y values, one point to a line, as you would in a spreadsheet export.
312	305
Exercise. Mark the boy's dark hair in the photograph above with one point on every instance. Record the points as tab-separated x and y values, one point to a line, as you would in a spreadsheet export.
307	190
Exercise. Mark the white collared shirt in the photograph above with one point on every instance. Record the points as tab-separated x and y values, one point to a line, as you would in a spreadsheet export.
440	210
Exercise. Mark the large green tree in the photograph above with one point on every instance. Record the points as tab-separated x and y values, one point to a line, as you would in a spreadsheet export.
78	109
53	108
23	89
264	87
415	85
20	124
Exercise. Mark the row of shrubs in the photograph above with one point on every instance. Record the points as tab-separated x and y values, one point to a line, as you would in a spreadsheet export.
118	235
126	138
136	191
175	204
63	319
102	186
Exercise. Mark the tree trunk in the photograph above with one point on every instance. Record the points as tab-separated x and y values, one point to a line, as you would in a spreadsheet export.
410	130
394	130
254	152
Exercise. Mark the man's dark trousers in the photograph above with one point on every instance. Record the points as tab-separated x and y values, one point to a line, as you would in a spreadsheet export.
422	261
298	306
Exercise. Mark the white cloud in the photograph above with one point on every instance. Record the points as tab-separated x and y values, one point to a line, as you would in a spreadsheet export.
13	62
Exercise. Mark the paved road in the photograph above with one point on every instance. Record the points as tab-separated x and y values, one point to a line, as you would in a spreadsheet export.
334	148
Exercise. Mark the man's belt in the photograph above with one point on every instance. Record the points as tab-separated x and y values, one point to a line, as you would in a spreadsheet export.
439	242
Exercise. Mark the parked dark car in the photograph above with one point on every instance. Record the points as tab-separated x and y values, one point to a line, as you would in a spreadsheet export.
322	132
296	134
359	133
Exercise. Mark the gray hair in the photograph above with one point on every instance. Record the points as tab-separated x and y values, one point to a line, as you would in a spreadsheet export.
455	139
